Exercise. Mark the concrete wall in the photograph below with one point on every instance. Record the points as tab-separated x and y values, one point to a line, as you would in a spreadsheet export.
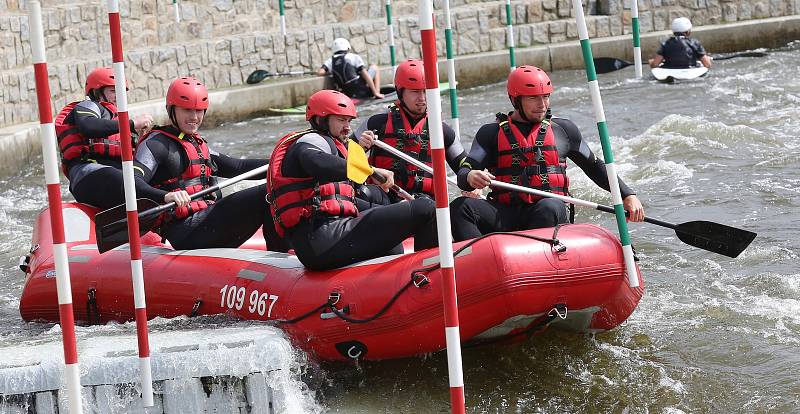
223	41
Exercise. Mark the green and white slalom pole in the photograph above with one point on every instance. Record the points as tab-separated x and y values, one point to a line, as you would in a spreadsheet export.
177	11
451	71
608	154
637	49
283	18
390	27
510	36
447	270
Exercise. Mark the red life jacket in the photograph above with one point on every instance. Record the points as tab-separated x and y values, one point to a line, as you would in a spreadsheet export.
73	145
415	142
292	199
530	161
197	175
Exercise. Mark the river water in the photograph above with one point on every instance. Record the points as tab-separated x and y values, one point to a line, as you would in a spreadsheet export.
712	334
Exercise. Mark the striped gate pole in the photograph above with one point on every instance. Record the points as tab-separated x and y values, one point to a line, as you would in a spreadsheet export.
608	154
53	184
450	300
145	375
637	49
390	27
177	11
451	70
283	18
510	36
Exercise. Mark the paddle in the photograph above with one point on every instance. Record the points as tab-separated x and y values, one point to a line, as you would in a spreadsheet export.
609	64
743	54
707	235
111	226
358	169
259	75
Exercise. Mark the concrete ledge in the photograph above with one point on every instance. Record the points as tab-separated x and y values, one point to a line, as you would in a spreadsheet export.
19	143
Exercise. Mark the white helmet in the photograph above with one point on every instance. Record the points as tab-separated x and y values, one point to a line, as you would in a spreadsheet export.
340	45
681	25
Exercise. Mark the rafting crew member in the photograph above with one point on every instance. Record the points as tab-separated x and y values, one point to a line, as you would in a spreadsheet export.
89	142
680	51
350	74
526	147
315	205
174	161
405	127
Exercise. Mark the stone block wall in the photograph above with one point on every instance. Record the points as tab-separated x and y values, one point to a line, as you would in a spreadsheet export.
223	41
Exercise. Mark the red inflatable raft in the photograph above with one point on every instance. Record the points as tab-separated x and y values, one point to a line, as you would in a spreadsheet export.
509	286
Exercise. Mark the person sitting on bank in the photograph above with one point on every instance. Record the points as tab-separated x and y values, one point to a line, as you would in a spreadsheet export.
314	205
174	161
405	127
349	72
680	51
527	147
89	142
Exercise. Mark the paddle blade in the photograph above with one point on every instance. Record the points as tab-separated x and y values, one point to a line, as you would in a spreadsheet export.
608	64
743	54
715	237
358	168
111	226
257	76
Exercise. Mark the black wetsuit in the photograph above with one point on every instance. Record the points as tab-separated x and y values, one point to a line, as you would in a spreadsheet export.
329	242
93	180
454	151
681	52
228	222
473	217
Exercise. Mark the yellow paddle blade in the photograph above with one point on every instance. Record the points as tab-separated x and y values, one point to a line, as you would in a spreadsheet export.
358	168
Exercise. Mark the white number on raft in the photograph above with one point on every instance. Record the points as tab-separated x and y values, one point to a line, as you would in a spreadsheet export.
232	297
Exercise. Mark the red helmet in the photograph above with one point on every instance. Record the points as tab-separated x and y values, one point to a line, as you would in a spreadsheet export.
327	102
528	80
187	92
99	78
410	75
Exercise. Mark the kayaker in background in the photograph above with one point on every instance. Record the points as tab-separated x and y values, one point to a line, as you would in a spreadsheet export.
174	161
405	127
350	74
315	206
89	142
527	147
680	51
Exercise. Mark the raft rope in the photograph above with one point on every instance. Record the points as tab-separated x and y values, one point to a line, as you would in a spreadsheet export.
558	310
418	279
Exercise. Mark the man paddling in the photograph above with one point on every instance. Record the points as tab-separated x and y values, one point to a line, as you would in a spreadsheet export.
526	147
174	161
680	51
350	74
89	142
405	127
315	206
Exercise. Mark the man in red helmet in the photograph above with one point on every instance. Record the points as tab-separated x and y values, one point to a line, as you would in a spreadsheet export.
89	142
315	206
405	127
526	147
174	161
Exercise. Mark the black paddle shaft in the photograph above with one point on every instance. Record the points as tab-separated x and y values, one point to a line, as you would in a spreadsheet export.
714	237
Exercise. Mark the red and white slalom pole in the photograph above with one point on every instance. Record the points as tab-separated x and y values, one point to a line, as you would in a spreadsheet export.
452	334
52	181
145	374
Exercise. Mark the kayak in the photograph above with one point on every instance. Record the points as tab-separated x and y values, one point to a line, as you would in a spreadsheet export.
388	97
671	75
510	286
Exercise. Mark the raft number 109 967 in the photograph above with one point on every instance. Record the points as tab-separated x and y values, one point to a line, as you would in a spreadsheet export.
232	297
